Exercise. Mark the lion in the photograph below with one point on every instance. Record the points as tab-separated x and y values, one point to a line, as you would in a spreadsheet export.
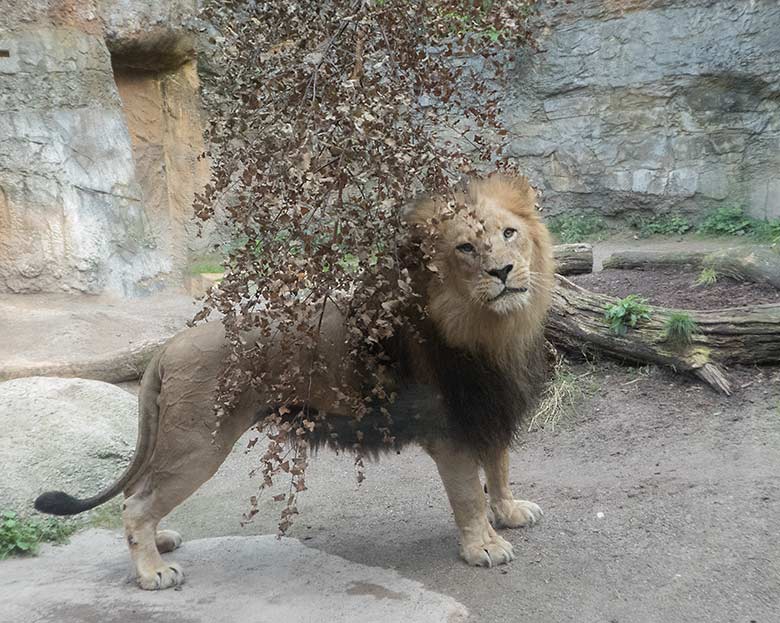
469	374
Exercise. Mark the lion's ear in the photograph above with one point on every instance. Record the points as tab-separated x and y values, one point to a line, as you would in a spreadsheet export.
530	197
516	190
421	209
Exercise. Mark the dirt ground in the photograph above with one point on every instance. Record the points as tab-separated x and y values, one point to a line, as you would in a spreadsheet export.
41	333
661	500
678	289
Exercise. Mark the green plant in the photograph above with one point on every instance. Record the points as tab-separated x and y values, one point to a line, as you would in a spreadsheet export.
576	227
663	225
22	536
707	277
206	266
732	221
766	231
727	221
680	328
626	313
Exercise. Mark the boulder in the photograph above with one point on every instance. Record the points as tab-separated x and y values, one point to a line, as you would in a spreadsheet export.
70	434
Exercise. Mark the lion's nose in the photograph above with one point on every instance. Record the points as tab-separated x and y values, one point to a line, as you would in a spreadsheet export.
501	273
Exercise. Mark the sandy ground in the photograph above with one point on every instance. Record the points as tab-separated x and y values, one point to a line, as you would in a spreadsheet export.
46	330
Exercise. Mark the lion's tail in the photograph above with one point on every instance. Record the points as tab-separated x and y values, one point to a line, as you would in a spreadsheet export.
61	503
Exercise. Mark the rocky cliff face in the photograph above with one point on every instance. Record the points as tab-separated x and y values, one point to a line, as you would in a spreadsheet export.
82	207
653	105
630	105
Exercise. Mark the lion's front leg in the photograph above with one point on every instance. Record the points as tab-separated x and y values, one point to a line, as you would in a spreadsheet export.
507	511
459	471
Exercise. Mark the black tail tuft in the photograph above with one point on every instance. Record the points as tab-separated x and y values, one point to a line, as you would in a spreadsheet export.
60	503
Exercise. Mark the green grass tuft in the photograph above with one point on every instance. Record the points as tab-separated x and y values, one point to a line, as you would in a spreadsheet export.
576	228
626	313
732	221
707	277
680	328
22	536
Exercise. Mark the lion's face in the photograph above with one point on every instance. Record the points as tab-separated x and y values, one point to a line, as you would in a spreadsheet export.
492	253
484	253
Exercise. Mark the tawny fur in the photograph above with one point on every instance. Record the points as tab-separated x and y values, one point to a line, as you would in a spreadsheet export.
473	327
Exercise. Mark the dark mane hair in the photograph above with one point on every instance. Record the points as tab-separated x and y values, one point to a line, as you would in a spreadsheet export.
463	396
486	406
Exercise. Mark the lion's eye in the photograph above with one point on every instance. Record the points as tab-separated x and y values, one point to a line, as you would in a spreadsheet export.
466	247
509	233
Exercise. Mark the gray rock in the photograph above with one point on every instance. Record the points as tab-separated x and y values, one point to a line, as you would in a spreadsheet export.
66	434
81	208
655	106
247	579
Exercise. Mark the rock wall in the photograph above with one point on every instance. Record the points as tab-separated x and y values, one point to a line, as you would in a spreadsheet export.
629	105
162	116
652	105
86	204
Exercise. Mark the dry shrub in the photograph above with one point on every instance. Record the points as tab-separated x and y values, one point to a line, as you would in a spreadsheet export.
329	117
565	392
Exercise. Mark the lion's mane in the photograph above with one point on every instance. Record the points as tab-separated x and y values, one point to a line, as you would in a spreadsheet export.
469	374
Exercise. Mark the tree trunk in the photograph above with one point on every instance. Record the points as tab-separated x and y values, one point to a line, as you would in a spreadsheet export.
573	259
756	264
747	335
126	364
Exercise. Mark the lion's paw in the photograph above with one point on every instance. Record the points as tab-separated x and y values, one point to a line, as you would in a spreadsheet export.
515	513
167	576
492	551
167	540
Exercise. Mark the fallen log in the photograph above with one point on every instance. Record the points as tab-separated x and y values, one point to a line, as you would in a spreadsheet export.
745	335
127	364
573	259
755	264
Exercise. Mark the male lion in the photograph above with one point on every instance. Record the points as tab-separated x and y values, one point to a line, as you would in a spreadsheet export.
464	389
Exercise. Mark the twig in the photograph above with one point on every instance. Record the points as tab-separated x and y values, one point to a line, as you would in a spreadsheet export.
360	42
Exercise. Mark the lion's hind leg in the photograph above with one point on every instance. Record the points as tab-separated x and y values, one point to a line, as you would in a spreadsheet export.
140	521
507	511
170	479
155	495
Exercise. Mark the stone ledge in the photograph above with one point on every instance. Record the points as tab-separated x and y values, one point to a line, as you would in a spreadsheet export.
228	579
